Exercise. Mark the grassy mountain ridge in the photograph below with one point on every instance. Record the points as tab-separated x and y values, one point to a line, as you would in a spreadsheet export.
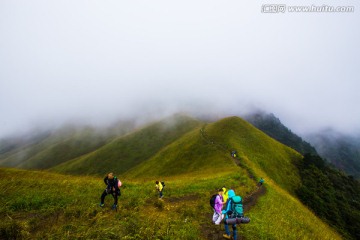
127	151
193	153
255	147
188	154
194	160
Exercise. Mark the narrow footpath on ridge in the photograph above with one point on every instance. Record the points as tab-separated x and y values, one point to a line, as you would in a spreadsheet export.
211	231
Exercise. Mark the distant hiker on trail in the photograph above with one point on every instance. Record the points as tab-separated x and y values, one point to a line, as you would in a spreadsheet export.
112	187
233	154
261	182
233	209
159	187
217	203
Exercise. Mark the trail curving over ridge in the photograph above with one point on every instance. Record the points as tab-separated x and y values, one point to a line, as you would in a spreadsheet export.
211	231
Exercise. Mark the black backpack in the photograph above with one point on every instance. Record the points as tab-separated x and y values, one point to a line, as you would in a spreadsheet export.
163	184
212	200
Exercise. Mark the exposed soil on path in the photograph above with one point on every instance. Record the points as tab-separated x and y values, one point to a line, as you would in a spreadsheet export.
184	198
251	200
213	232
173	200
209	229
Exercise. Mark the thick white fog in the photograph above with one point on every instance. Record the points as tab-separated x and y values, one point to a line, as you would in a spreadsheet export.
97	61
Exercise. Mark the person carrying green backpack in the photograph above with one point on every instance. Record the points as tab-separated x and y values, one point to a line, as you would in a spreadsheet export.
233	209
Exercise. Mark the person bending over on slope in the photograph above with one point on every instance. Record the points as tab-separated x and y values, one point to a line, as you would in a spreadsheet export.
159	187
112	187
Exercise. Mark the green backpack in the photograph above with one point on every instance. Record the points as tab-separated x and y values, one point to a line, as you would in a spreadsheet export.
237	207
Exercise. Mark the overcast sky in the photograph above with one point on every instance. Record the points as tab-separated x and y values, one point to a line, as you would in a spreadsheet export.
96	61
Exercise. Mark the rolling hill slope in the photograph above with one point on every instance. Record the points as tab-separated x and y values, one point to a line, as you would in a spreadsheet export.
257	150
30	209
126	152
194	152
192	157
50	148
189	154
16	150
194	160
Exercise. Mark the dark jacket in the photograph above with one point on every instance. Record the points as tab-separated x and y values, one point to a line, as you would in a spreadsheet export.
111	183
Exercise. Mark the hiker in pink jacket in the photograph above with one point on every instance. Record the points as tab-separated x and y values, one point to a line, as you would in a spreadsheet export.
218	216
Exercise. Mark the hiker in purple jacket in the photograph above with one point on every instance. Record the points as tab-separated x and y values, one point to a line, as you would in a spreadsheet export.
218	216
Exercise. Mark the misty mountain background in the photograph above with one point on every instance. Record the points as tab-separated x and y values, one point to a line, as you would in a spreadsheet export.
340	150
273	127
71	141
94	62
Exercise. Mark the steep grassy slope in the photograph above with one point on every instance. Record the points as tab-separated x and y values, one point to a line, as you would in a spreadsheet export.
256	149
126	152
189	154
278	215
194	160
38	205
41	205
208	149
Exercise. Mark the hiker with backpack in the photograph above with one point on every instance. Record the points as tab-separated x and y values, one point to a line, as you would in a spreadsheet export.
233	210
112	187
216	202
159	187
225	195
261	182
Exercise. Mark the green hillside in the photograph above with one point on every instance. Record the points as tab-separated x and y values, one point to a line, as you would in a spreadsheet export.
189	154
194	160
42	205
126	152
257	150
17	150
48	149
195	153
74	146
